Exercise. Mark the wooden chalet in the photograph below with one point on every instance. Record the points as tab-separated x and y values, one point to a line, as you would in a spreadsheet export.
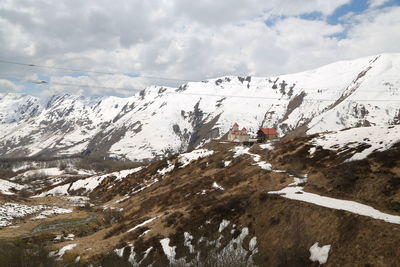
265	134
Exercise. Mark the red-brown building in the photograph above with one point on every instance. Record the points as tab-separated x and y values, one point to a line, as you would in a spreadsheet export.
237	135
266	134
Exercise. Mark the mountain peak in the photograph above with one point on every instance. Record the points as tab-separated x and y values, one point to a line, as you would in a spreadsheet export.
163	120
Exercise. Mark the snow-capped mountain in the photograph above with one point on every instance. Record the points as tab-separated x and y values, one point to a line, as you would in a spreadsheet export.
159	120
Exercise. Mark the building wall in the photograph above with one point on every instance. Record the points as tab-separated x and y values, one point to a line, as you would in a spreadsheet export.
231	136
240	137
263	137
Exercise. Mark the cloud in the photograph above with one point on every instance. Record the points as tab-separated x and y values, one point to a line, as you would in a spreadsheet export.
8	86
374	32
377	3
120	85
183	39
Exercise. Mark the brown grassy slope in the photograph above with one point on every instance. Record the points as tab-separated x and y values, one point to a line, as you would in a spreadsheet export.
285	229
373	181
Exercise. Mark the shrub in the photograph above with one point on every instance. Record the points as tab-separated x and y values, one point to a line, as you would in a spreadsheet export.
25	193
113	260
18	254
111	216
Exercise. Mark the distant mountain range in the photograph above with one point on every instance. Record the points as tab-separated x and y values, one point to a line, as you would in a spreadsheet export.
160	121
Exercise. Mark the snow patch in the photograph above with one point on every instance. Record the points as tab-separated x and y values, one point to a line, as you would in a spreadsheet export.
88	184
143	223
217	186
6	187
267	146
168	250
60	253
186	158
375	138
319	254
297	193
223	225
239	151
52	211
167	169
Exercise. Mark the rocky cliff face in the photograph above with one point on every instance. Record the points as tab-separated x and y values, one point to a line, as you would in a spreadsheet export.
160	121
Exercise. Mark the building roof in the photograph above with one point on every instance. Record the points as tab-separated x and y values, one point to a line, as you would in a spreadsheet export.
244	129
269	131
236	124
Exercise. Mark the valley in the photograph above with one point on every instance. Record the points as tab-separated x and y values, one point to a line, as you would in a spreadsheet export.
156	179
225	204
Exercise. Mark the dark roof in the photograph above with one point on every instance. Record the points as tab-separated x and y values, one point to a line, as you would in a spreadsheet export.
268	131
236	124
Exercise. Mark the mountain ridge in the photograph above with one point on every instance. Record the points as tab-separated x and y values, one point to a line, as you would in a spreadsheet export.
160	120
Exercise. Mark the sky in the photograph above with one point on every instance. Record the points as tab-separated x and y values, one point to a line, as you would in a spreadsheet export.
101	47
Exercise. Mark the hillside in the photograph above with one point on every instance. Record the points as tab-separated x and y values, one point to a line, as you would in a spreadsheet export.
321	198
161	121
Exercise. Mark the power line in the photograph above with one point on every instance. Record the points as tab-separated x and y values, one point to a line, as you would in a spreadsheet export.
88	86
274	98
139	76
45	83
41	82
89	71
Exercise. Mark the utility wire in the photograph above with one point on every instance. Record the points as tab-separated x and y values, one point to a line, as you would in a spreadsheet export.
89	71
275	98
86	86
116	73
41	82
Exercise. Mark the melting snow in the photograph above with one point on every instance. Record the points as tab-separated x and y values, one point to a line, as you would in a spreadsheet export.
88	184
297	193
45	171
253	243
52	211
63	237
319	254
167	169
6	186
60	253
299	180
168	250
10	211
239	151
223	225
143	223
186	158
217	186
379	138
267	146
188	241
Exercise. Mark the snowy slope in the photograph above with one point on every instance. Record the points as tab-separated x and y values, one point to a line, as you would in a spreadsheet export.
366	139
160	121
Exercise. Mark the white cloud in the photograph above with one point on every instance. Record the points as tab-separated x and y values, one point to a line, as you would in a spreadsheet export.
8	86
96	85
374	32
377	3
184	39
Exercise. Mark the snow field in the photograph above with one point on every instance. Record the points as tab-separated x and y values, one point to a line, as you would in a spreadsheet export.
89	184
7	186
378	138
297	193
10	211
